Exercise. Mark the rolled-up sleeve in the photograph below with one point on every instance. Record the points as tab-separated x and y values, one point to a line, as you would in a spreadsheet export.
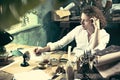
64	41
103	41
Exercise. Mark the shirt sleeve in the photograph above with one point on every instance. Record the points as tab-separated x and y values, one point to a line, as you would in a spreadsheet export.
64	41
103	41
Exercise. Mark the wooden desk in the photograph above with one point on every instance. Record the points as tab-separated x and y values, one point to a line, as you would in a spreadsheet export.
15	68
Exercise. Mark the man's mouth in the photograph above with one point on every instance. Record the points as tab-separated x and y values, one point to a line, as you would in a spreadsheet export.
84	27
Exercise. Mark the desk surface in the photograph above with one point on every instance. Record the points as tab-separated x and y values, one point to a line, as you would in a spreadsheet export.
15	67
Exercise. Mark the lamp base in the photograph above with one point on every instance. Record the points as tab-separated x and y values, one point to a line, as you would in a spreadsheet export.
24	64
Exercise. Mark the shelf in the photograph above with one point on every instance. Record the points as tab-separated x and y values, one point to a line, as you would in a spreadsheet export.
18	28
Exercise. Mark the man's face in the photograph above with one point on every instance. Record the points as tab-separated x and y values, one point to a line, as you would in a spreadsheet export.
85	21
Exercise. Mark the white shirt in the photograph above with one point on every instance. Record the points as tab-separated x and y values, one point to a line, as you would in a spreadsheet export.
81	37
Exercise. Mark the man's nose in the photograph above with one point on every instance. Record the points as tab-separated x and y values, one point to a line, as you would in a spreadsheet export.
82	22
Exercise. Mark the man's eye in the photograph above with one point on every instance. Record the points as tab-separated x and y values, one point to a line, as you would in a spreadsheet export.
86	20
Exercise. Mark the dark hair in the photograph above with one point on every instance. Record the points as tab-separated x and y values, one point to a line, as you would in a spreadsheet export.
93	11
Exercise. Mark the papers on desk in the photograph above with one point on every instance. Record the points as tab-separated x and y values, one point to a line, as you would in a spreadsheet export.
32	75
65	58
42	57
108	58
109	64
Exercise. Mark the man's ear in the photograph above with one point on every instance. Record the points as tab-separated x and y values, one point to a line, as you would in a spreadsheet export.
91	20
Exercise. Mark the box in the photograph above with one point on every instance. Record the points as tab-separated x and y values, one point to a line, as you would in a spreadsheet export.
60	15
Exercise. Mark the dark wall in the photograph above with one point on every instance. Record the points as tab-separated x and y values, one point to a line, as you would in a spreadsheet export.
114	30
116	1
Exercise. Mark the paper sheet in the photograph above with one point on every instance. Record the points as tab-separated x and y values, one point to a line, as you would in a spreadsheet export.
32	75
63	13
108	58
41	57
109	64
111	71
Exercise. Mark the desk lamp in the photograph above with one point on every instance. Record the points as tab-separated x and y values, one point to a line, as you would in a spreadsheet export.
5	38
26	57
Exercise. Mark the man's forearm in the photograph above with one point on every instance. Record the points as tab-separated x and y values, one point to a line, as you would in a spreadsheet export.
46	49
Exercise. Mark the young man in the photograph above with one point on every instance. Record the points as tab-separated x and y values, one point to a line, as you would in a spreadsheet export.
90	35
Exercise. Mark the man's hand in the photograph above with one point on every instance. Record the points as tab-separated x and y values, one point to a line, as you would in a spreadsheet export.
96	23
38	51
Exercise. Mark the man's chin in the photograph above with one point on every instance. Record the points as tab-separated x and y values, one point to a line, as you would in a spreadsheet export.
84	27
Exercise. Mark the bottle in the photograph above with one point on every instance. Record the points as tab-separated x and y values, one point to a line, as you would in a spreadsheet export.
69	70
78	65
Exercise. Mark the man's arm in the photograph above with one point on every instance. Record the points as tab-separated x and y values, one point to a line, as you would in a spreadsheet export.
38	51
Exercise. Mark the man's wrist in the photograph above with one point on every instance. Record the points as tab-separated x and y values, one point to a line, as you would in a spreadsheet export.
46	49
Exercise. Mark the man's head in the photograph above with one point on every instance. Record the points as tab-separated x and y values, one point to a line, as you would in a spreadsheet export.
85	21
89	12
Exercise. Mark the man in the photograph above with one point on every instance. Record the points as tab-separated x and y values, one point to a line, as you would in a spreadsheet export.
90	35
